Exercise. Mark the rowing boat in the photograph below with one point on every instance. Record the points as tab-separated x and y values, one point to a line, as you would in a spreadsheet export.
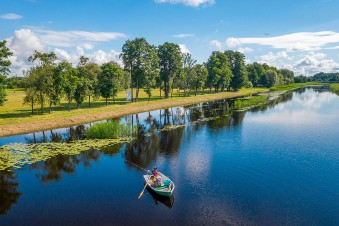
162	185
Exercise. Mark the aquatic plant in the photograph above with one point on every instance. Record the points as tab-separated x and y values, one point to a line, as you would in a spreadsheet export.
245	103
110	130
17	155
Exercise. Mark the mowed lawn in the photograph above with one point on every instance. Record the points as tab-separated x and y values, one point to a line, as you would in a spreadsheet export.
15	117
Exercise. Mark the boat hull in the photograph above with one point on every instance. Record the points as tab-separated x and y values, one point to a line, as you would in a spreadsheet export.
165	188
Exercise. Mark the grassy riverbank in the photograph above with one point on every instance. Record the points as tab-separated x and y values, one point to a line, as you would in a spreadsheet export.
16	118
292	86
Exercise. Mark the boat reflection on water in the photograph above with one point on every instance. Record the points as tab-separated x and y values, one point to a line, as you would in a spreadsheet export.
167	201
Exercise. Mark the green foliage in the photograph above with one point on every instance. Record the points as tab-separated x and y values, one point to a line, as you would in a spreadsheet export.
239	71
288	87
5	53
244	103
219	71
199	77
170	64
335	88
110	130
111	74
141	60
19	155
188	63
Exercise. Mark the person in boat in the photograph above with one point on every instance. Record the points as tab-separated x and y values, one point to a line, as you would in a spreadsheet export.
156	177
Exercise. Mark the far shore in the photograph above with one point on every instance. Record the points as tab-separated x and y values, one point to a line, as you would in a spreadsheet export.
85	115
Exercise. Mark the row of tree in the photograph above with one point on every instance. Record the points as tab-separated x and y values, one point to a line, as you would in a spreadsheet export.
145	67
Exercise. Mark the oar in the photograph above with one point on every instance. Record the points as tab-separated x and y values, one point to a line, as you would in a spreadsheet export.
142	192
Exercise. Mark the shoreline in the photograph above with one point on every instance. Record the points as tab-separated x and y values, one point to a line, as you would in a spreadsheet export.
113	112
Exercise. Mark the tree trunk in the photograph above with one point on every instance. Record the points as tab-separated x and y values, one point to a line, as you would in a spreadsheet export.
113	99
131	83
137	93
166	89
50	107
69	104
132	94
32	107
210	88
89	101
78	106
172	88
160	91
42	104
106	101
196	88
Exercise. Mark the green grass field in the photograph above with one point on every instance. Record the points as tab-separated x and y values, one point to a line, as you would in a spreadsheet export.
17	118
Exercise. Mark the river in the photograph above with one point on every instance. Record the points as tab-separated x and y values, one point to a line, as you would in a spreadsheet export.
272	165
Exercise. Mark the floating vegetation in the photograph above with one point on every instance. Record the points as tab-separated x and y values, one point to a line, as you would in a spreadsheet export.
168	128
17	155
110	130
246	103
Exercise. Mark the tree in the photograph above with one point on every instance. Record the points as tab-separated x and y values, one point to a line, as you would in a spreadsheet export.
108	80
237	63
5	53
272	77
199	77
219	71
287	75
169	63
255	71
42	77
88	72
69	82
139	58
188	63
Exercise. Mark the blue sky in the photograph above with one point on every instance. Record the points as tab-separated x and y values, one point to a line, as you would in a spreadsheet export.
302	35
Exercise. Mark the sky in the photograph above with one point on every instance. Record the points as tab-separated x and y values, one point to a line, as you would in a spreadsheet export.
300	35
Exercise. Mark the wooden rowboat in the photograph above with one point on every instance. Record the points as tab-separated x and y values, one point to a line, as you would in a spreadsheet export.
162	185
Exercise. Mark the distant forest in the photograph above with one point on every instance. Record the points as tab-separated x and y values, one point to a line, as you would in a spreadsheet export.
319	77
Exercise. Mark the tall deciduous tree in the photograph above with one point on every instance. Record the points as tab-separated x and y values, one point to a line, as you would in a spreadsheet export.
139	58
109	80
169	63
42	76
5	53
188	63
199	77
69	82
238	67
219	71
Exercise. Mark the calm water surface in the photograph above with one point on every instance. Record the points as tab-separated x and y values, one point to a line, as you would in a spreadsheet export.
275	165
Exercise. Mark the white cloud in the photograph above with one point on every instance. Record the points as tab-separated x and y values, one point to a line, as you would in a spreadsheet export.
183	48
192	3
25	41
271	57
11	16
217	44
245	50
74	37
232	42
301	41
183	35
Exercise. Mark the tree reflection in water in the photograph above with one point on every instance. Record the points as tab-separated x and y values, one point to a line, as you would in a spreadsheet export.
9	193
53	168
